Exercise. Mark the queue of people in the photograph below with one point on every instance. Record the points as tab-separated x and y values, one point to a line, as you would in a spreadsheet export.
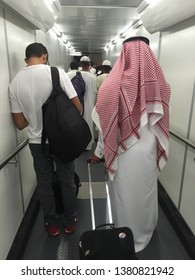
129	104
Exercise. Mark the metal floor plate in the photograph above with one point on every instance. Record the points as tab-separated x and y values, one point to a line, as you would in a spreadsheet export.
164	244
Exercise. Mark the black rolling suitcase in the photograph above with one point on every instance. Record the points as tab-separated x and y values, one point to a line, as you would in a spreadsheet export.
106	242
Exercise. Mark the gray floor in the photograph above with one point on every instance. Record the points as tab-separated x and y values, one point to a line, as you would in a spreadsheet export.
164	245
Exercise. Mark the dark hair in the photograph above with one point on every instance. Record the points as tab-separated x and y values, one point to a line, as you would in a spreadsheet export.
136	38
35	50
85	63
106	68
74	65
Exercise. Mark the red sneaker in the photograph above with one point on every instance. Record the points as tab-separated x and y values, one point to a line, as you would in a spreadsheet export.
51	229
71	228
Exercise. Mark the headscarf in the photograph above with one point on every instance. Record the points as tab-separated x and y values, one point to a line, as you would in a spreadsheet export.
134	94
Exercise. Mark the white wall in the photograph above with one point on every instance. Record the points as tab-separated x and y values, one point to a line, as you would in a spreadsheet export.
11	205
18	182
6	123
54	46
177	57
18	37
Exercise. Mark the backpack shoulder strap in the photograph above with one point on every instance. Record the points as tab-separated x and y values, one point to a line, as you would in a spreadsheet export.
55	78
56	85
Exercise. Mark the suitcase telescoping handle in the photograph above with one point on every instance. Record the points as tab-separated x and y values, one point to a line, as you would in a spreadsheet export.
91	196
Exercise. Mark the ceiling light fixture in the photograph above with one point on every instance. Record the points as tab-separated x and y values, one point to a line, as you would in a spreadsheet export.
142	6
57	32
69	45
42	14
122	35
75	54
64	39
136	23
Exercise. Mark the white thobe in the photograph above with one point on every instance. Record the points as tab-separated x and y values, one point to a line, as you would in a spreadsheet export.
133	190
89	101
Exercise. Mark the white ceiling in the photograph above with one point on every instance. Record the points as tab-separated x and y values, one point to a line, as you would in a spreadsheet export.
90	24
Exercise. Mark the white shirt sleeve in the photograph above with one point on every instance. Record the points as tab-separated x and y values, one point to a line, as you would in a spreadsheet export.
15	107
99	150
95	118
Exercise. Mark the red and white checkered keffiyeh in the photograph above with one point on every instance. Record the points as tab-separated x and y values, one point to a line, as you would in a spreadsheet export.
134	93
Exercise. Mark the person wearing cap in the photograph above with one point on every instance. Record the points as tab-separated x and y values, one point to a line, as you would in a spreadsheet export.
90	94
85	63
132	115
106	68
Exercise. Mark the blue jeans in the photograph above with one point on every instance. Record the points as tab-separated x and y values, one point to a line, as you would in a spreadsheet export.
44	169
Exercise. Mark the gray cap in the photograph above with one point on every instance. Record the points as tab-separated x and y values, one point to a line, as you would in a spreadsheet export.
85	58
106	62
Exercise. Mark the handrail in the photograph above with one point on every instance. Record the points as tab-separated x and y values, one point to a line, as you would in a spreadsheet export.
11	155
25	142
183	139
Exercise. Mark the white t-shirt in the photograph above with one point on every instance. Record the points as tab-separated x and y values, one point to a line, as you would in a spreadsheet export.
72	73
28	92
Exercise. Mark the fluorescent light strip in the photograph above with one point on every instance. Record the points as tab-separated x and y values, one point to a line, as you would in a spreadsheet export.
75	53
123	34
55	29
142	6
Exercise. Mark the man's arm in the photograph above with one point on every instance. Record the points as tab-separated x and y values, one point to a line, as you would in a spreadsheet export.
19	120
76	102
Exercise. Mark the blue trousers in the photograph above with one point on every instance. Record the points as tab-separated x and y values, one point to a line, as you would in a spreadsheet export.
44	169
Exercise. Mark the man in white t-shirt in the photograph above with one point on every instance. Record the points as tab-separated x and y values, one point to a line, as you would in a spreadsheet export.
29	90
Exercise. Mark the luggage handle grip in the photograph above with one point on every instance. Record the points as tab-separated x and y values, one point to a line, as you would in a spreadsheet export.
111	225
101	160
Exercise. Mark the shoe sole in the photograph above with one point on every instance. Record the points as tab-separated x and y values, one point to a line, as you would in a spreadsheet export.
70	231
53	235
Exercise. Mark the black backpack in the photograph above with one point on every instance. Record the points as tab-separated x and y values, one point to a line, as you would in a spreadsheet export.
79	85
67	132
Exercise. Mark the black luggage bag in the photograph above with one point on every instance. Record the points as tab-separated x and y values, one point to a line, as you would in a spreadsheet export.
106	242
